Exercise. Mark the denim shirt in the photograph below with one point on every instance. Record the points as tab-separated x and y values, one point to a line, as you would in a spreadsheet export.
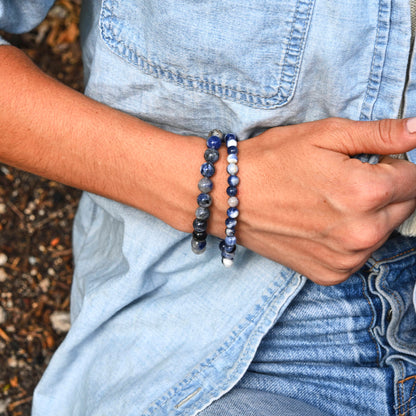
155	329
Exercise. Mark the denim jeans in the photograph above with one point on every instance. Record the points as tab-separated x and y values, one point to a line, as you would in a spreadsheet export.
348	349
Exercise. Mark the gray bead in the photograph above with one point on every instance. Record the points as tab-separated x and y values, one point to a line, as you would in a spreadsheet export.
205	185
216	132
202	213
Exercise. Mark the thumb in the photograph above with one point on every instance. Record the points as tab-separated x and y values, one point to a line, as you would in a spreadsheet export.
383	137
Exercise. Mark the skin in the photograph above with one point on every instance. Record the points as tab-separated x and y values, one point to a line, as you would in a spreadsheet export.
304	202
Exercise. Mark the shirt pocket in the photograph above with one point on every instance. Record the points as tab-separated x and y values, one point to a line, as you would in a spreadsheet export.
249	52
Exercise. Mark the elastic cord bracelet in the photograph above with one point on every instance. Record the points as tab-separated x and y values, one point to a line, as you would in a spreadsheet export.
229	244
202	213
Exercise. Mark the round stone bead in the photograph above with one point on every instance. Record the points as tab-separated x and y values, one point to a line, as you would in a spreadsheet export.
232	169
205	185
232	142
230	232
207	169
233	201
229	136
233	180
230	241
232	191
202	213
232	150
199	236
227	262
198	247
230	222
211	155
232	158
217	133
200	225
214	142
232	212
229	249
204	200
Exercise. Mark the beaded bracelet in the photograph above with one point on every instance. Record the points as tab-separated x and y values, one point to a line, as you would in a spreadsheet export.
229	244
202	213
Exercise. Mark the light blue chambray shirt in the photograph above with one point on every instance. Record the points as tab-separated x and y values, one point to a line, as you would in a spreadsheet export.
157	330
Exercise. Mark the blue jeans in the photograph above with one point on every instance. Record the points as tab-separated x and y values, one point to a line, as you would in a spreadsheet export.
348	349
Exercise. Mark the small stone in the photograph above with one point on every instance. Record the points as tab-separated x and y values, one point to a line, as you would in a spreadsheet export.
232	191
217	133
214	142
3	316
227	262
3	259
232	212
211	155
3	208
44	284
207	169
60	321
204	200
3	275
202	213
233	201
233	158
232	169
205	185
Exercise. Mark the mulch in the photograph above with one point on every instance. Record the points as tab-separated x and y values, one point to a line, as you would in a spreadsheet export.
36	217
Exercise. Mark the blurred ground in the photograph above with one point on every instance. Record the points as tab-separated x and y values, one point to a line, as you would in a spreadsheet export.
35	234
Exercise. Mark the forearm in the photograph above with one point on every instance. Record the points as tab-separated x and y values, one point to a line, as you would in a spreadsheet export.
56	132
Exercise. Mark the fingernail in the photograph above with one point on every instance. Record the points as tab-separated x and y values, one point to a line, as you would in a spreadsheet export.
411	125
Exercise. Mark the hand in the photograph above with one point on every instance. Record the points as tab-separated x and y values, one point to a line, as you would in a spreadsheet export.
307	204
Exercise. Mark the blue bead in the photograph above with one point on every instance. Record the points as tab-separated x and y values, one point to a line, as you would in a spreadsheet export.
230	241
232	150
214	142
233	180
222	245
232	169
230	136
230	232
233	212
211	155
226	255
207	169
232	158
198	247
230	249
202	213
204	200
200	225
230	222
231	191
205	185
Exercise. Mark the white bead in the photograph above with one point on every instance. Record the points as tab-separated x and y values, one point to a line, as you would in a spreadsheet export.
233	158
227	262
231	142
232	169
233	201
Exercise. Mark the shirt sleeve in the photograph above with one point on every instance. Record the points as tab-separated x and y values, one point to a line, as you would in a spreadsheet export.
19	16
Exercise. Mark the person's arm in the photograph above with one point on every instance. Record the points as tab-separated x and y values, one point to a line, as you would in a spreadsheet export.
51	130
303	201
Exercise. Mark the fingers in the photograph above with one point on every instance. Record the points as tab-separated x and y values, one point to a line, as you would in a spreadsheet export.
378	137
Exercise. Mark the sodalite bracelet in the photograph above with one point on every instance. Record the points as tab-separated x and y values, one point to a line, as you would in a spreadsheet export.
200	224
229	244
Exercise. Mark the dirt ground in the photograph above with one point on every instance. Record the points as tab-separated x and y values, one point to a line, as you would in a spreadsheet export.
35	234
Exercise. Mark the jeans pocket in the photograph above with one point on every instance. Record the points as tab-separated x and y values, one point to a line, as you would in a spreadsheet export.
247	52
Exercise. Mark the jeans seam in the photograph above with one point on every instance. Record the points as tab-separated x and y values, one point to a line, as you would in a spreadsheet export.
403	412
369	330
